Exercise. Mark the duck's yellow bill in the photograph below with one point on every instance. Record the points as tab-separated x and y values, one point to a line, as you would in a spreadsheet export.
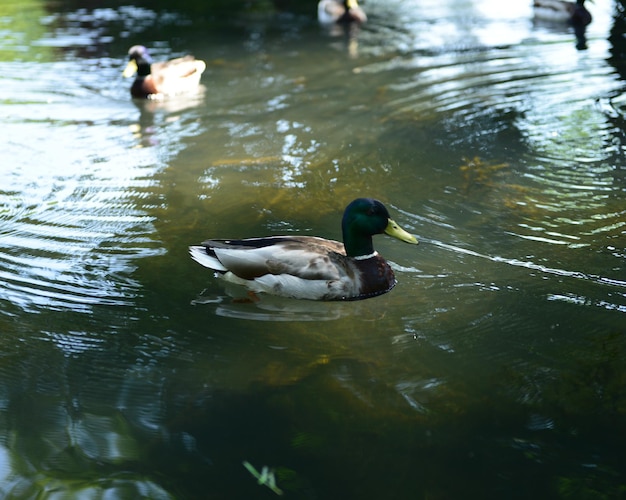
396	231
131	69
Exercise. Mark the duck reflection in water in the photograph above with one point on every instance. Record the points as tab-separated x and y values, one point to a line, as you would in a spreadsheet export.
235	304
154	113
573	13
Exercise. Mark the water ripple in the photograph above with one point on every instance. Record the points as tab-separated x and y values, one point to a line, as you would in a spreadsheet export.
76	219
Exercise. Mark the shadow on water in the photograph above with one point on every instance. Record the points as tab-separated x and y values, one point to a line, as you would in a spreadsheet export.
129	371
237	304
329	428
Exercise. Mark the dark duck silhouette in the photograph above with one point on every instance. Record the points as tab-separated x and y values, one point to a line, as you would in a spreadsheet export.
574	13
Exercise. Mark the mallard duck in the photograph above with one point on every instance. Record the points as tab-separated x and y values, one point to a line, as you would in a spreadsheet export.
308	267
562	11
340	11
154	80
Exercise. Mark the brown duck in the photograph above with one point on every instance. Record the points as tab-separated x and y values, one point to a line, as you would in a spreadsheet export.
158	79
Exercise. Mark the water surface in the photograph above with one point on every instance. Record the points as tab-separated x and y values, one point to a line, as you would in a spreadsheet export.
129	371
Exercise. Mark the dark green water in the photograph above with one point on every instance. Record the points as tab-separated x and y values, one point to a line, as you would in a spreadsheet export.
494	369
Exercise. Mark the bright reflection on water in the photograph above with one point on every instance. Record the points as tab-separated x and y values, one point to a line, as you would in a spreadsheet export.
128	371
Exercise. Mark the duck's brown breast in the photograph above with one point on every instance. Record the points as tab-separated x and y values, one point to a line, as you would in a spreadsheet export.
376	276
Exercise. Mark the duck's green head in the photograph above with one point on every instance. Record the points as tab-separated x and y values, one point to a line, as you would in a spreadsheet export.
139	61
362	219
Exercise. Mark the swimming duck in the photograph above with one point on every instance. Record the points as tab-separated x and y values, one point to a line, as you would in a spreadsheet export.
340	11
308	267
562	11
162	78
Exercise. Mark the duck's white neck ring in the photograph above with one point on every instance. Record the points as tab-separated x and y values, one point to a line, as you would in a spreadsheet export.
365	257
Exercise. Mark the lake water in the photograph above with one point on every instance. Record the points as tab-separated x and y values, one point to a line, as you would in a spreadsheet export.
496	368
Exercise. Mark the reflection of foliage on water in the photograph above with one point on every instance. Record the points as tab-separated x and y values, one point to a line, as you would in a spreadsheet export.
196	7
348	436
491	184
618	44
21	22
477	173
580	409
332	426
597	384
302	194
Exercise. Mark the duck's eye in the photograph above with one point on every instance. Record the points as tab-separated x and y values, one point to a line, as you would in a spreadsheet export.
373	210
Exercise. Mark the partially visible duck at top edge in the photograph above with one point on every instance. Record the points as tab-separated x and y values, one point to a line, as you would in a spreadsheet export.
562	11
340	11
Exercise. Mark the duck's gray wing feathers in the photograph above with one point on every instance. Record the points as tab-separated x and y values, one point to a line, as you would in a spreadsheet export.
306	257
